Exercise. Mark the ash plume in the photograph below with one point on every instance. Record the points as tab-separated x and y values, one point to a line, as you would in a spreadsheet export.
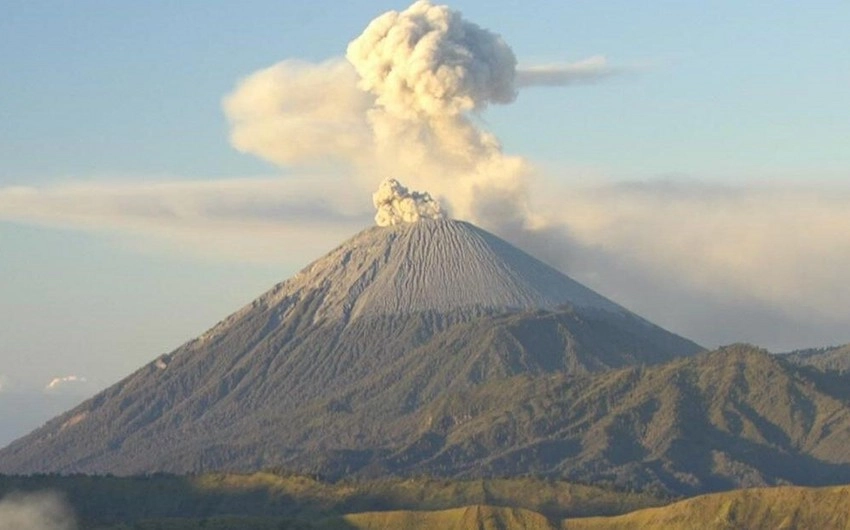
296	112
43	510
404	102
396	205
427	62
590	70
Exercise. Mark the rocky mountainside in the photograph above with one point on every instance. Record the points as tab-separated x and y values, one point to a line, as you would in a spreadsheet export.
835	358
736	417
435	348
337	365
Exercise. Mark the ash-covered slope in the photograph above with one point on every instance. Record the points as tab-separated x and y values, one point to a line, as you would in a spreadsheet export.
432	265
340	359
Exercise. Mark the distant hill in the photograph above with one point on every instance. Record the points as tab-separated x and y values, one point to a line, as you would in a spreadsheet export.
787	508
833	358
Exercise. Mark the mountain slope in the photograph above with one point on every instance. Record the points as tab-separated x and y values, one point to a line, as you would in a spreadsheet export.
736	417
478	516
754	509
339	359
835	358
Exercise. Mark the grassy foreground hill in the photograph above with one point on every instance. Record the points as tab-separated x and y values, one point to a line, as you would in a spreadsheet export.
292	501
787	508
753	509
266	501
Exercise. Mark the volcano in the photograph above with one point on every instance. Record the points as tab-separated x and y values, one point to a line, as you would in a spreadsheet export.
332	370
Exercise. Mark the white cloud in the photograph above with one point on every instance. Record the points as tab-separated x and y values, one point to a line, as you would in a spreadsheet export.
764	263
60	382
591	70
785	245
257	219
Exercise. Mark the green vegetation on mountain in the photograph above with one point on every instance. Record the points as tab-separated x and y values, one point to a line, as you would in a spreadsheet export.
736	417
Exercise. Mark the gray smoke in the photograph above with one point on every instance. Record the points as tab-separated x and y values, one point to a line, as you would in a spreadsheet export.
428	69
402	104
44	510
396	205
590	70
427	61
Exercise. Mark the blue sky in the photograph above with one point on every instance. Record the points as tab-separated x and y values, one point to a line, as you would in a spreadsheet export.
720	109
96	88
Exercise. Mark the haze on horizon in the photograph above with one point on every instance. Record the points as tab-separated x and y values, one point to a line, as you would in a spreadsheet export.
687	164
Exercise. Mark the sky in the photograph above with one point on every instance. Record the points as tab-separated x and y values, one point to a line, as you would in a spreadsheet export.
696	172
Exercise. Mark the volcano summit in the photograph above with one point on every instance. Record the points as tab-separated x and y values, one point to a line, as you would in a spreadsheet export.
335	370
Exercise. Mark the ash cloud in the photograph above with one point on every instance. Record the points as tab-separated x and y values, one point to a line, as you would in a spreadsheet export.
590	70
36	511
427	61
396	204
407	96
405	101
296	112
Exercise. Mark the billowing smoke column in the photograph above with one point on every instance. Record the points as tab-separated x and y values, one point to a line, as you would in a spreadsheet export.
401	104
428	62
428	69
396	205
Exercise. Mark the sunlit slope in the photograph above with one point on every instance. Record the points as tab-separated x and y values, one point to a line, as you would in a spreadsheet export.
753	509
466	518
263	501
